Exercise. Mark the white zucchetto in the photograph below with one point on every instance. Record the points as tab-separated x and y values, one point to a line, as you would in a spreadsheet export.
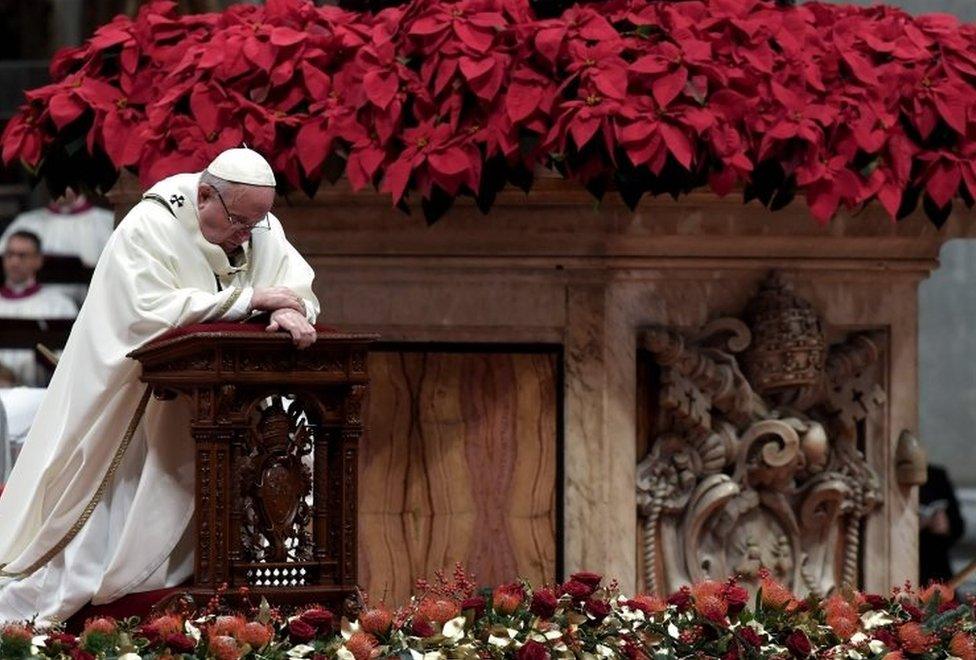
242	165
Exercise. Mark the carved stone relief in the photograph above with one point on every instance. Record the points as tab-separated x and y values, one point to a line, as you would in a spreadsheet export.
755	461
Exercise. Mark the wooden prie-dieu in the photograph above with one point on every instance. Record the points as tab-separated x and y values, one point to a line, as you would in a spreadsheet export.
277	433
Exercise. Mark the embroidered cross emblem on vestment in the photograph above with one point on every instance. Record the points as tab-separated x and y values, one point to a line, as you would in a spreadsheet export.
178	200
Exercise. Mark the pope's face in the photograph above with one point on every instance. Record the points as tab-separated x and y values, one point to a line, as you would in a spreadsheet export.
226	218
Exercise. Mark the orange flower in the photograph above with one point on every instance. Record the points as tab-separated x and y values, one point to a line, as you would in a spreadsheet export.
224	647
167	624
842	616
361	645
104	625
914	639
962	646
649	605
946	595
774	594
256	634
507	597
437	609
376	621
709	600
228	626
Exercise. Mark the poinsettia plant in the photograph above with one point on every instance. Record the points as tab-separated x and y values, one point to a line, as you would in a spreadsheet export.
438	99
582	618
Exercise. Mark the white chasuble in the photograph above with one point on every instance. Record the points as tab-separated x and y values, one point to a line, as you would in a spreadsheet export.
102	494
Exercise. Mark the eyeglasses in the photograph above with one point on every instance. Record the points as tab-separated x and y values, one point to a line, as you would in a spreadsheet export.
263	223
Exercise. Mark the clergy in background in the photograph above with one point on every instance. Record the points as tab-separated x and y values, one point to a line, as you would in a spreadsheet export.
100	501
21	297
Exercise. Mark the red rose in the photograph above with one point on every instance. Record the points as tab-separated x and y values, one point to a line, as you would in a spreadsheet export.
65	640
533	651
886	637
736	597
598	609
681	599
301	631
799	644
750	637
476	604
78	654
544	603
421	627
591	580
874	601
180	643
913	611
733	653
577	590
318	617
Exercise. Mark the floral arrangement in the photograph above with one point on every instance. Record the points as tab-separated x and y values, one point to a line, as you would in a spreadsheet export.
582	618
445	98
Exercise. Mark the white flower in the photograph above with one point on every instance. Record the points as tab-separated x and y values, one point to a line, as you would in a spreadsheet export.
673	631
454	629
348	628
433	655
342	652
192	631
858	638
854	655
494	640
130	656
604	651
875	619
39	640
876	646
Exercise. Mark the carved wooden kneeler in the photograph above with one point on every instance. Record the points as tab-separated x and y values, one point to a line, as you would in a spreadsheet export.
277	435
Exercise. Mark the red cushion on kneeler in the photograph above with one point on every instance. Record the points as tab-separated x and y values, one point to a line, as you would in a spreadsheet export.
139	604
227	327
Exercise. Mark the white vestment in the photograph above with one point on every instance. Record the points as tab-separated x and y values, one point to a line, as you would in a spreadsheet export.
80	233
42	303
77	539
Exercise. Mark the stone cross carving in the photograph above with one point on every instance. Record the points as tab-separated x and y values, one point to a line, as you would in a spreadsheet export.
755	459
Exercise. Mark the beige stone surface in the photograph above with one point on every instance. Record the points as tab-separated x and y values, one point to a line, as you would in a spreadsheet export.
553	267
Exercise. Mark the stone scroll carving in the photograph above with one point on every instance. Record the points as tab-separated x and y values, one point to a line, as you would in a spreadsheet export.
755	461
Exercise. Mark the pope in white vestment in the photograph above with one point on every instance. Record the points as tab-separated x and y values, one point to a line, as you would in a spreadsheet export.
100	501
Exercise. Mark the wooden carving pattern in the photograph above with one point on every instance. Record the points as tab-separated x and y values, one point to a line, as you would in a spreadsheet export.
755	460
277	433
458	464
276	524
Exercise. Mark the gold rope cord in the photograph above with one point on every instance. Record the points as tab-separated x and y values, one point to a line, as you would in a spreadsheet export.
96	498
231	299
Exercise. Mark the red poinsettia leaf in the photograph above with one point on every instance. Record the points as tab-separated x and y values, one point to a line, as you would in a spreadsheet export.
283	37
521	101
667	87
678	144
487	19
823	201
396	179
427	26
548	41
312	145
473	68
282	73
380	87
612	81
650	64
474	37
890	196
723	181
952	108
110	35
860	66
129	59
583	128
596	28
943	182
205	105
122	139
448	163
65	108
317	82
259	53
445	70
